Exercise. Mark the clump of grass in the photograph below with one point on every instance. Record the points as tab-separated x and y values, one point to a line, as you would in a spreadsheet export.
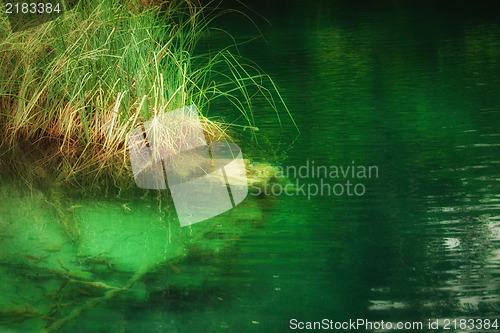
73	88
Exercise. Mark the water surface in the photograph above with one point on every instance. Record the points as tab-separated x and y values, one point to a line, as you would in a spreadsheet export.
411	89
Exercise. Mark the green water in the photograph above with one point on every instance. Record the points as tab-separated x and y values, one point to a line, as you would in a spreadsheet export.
410	89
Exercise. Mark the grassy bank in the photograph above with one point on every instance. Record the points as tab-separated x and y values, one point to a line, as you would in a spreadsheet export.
70	92
73	88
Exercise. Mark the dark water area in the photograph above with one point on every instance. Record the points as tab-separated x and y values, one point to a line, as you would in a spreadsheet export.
410	88
413	89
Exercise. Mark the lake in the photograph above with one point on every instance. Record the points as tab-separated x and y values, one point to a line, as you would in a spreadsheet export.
393	207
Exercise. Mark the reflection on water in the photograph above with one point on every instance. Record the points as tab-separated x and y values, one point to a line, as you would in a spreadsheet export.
411	89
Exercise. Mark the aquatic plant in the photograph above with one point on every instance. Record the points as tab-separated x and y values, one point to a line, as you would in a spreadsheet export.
70	92
74	87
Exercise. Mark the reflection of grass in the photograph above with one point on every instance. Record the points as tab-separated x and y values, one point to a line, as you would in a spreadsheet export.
74	87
